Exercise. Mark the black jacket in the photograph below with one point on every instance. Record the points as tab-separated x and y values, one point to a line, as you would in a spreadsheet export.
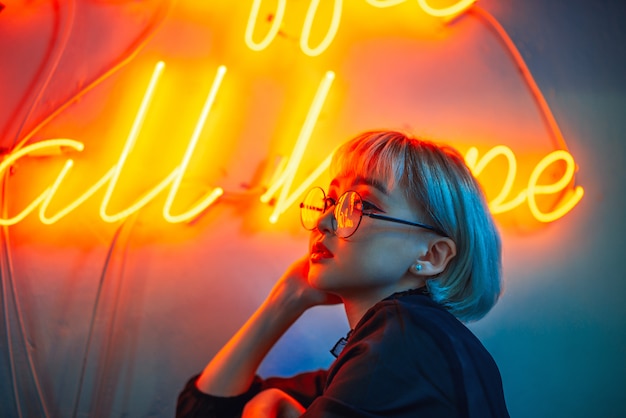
407	357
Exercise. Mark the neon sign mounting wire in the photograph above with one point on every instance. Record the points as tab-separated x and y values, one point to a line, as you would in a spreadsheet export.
7	275
6	259
94	312
126	57
60	50
526	75
67	30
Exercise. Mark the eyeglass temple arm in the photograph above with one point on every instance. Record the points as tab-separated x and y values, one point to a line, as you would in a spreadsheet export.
400	221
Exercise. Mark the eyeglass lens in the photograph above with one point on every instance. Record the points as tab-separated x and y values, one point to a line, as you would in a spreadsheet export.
347	211
347	214
312	208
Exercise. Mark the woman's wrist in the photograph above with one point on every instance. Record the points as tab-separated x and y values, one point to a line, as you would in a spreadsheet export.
283	308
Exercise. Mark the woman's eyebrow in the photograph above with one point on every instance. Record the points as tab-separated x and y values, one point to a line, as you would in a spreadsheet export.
366	181
373	183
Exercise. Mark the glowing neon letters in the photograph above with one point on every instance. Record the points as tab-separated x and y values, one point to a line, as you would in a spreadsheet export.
497	204
284	176
335	20
111	177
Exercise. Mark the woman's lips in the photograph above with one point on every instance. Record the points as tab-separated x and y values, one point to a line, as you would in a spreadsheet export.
320	252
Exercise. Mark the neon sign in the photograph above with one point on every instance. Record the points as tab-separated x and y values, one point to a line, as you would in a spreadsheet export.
284	176
281	191
497	204
447	12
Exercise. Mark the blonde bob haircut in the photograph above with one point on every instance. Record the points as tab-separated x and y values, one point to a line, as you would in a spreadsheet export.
445	194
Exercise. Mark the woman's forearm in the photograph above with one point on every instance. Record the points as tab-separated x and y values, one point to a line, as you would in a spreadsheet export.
233	368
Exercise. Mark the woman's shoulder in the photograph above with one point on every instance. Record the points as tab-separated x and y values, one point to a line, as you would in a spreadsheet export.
409	347
414	306
412	320
392	356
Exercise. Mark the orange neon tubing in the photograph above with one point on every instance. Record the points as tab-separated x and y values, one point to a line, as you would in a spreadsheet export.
446	12
128	146
9	160
210	198
271	34
286	177
526	75
535	189
495	205
308	24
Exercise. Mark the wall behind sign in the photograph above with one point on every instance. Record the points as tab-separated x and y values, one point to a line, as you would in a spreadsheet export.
115	317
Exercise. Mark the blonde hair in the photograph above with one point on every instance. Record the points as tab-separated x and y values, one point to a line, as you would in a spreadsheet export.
439	184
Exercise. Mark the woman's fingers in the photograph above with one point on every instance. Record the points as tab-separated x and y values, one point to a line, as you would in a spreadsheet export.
294	284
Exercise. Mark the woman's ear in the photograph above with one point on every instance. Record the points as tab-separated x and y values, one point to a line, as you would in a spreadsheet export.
440	251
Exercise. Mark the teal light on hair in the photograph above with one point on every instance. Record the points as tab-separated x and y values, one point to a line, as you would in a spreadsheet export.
440	186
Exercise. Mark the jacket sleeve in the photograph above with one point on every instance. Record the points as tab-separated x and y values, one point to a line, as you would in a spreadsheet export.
192	403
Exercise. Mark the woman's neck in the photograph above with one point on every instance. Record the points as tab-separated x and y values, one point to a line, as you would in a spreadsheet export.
357	305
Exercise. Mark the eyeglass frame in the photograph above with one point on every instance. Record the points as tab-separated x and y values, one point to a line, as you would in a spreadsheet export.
370	215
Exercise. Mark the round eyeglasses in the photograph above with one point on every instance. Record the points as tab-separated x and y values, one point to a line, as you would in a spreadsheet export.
348	212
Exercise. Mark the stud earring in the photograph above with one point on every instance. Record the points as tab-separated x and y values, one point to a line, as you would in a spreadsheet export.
418	267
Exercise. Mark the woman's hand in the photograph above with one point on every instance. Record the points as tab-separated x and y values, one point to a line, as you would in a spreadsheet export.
272	403
293	289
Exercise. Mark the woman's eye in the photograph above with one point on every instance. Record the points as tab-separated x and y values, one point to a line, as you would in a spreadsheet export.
370	207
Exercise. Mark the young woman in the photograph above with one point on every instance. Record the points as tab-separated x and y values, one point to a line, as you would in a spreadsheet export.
404	239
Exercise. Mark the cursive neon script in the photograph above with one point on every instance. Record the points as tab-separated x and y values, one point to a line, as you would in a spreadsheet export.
281	187
335	20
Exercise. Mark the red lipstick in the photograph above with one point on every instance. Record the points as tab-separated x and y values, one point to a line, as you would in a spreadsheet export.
320	252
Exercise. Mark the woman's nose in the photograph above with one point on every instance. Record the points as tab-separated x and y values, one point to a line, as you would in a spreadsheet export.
326	221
